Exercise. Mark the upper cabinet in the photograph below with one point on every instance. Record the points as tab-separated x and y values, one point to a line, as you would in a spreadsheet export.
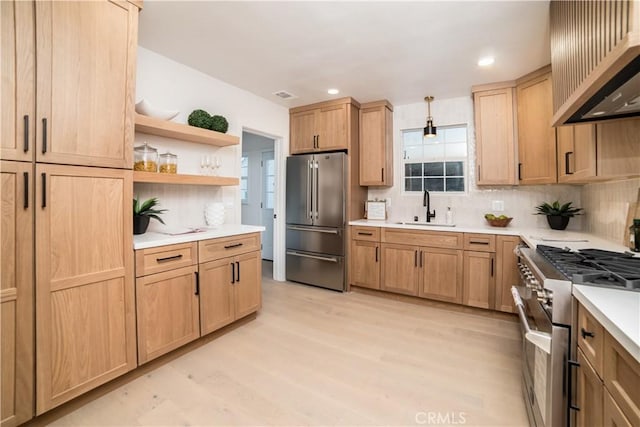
18	81
325	126
576	153
536	137
595	47
376	144
618	148
85	84
494	107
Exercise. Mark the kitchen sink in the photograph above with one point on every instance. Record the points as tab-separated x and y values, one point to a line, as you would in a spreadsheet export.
426	224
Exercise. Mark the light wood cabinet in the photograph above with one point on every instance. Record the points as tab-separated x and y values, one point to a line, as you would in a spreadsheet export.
536	137
230	288
589	394
622	378
84	280
167	311
325	126
591	339
494	111
17	130
612	414
441	274
576	153
86	53
364	257
376	144
399	269
618	153
479	279
507	274
16	292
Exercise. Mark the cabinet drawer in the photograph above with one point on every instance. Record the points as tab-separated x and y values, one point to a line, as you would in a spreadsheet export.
438	239
371	234
590	338
209	250
622	378
164	258
479	242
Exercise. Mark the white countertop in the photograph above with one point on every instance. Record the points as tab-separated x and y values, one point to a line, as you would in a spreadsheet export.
152	239
618	311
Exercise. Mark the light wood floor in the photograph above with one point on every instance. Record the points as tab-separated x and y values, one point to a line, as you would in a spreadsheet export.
317	357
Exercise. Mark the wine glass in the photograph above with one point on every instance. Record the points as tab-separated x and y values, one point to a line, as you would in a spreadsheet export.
205	164
215	165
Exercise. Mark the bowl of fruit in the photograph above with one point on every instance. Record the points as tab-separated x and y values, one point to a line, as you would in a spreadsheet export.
497	221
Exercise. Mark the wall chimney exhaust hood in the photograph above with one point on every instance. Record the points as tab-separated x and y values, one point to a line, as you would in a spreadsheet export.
595	60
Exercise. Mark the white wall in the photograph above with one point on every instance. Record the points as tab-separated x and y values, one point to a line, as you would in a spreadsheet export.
170	85
467	208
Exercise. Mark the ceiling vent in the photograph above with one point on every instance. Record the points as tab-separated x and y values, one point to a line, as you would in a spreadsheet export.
284	94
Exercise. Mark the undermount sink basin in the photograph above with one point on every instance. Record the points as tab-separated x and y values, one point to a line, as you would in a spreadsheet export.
426	224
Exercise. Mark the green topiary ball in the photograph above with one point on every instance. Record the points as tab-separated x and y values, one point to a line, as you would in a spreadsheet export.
219	124
200	119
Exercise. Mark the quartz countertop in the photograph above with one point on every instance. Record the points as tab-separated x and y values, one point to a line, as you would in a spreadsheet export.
154	239
617	310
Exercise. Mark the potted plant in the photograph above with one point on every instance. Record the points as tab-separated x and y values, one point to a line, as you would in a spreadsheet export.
142	214
557	215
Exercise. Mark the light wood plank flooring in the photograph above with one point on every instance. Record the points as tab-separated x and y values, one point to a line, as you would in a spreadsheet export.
317	357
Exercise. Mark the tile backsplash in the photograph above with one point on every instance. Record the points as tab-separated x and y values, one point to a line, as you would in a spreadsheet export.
606	205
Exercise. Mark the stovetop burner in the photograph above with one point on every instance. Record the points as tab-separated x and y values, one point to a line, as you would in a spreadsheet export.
595	267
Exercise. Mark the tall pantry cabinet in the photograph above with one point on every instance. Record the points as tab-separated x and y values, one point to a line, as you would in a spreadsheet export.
67	122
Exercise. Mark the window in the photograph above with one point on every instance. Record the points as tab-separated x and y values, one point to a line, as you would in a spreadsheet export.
244	179
435	164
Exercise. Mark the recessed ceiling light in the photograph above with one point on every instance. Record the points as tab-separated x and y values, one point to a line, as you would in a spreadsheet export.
333	91
486	61
598	113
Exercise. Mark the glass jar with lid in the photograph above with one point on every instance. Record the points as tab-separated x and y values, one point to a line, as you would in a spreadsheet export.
168	163
145	158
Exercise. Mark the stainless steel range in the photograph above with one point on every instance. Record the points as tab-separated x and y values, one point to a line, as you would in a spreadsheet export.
544	303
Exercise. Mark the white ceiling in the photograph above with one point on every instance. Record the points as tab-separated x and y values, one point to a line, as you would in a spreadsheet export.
401	51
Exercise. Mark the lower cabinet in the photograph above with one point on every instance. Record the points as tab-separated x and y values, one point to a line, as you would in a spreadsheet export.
589	394
230	288
399	271
180	298
441	274
479	279
365	264
507	274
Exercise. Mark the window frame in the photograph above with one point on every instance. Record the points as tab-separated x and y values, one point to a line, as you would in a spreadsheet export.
443	160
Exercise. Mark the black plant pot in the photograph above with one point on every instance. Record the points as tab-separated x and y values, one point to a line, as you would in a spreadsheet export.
557	222
140	224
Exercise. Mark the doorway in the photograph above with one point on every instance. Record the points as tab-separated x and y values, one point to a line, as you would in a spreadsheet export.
258	190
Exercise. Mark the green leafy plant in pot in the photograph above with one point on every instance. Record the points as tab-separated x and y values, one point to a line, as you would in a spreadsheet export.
558	215
143	212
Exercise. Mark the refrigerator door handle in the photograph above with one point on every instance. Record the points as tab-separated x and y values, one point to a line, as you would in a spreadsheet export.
316	180
311	229
321	258
309	200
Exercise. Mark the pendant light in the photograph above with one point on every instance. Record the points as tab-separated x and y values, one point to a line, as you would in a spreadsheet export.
430	129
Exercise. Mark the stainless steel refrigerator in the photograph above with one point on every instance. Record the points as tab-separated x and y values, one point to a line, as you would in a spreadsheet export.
316	216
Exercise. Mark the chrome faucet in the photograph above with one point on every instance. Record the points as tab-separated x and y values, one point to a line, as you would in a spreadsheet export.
427	204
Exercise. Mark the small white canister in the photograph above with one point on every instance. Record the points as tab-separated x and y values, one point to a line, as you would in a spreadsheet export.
214	214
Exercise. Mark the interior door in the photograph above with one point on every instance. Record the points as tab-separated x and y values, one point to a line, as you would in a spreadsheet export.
268	200
329	189
299	180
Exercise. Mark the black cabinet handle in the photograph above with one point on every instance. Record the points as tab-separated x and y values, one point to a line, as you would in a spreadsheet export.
421	259
362	233
492	266
233	273
586	333
572	364
25	176
25	148
317	141
235	245
566	163
377	253
415	258
237	271
519	171
169	258
197	282
382	175
44	135
44	190
478	242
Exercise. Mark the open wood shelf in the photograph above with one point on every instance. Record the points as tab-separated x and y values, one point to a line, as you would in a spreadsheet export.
168	129
168	178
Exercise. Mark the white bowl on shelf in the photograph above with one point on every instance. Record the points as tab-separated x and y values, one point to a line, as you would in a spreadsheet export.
145	108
